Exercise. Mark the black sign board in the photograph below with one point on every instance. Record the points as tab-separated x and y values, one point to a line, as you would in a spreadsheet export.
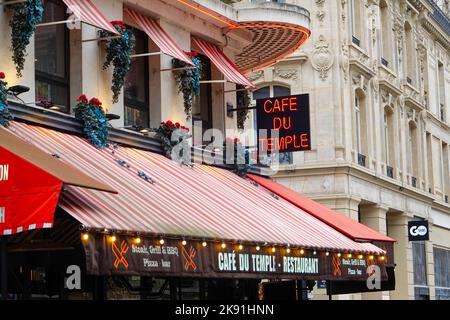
288	116
418	230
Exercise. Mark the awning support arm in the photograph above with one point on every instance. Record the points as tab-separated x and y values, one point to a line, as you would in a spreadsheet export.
57	22
101	38
178	69
4	3
213	81
239	109
146	54
237	90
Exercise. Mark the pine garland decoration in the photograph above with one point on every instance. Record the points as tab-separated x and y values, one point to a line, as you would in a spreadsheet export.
5	115
243	103
23	23
95	124
118	53
188	81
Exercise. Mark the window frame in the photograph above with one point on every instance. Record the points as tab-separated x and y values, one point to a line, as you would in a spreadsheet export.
136	104
53	80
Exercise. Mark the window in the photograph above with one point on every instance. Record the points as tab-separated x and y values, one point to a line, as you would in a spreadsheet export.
136	88
442	276
52	57
386	34
445	171
388	135
360	124
420	270
202	105
441	88
274	92
357	8
412	149
411	60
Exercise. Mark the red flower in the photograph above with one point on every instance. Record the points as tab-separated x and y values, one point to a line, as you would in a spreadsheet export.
177	124
162	123
95	102
186	128
169	123
192	54
119	23
82	99
228	140
236	140
2	75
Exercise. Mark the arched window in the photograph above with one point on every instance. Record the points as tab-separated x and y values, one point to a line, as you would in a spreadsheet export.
357	8
389	143
386	35
412	149
410	54
360	118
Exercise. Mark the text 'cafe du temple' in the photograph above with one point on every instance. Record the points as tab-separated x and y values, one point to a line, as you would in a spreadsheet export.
93	208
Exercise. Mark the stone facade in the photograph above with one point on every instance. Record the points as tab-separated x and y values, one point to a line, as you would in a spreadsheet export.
378	75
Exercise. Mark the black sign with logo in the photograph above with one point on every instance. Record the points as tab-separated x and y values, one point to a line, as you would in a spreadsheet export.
418	231
289	117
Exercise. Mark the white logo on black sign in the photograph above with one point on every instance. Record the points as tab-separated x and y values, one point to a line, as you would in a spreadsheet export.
418	230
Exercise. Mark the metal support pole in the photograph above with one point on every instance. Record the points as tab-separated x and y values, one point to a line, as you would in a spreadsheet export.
4	3
213	81
146	54
57	22
4	267
100	39
178	69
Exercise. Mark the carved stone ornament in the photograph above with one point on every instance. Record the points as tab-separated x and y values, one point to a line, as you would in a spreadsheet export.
256	75
286	73
322	58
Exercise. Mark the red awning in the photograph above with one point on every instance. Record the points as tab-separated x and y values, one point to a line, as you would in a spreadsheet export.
221	61
347	226
199	202
88	13
159	36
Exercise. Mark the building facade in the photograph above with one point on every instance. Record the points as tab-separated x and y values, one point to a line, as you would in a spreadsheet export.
378	75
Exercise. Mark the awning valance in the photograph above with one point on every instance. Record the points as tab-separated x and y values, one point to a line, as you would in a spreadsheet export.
347	226
221	61
88	13
201	202
159	36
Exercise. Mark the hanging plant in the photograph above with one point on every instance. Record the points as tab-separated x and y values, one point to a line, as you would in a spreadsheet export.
240	157
5	115
95	125
243	103
118	52
23	23
188	81
174	135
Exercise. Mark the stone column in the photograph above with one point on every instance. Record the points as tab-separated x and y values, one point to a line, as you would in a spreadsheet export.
404	276
374	216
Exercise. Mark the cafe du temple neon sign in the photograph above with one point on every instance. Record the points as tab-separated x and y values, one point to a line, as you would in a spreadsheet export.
283	124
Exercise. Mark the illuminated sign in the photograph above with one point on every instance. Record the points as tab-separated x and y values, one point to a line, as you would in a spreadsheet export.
289	118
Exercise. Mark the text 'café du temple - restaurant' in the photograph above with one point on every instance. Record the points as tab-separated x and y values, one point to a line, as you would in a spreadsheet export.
92	203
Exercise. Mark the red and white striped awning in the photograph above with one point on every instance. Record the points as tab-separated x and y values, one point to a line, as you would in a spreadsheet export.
159	36
201	202
88	13
221	61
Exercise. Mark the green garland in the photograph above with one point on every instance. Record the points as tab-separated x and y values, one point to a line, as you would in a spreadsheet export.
23	23
243	103
95	124
5	115
188	81
241	156
118	52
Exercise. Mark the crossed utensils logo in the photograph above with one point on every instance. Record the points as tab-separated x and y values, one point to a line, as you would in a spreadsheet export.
120	254
189	256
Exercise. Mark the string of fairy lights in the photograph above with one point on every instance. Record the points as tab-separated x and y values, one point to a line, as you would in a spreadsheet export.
273	248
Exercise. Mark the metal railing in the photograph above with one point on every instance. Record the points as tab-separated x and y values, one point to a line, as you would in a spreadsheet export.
440	16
